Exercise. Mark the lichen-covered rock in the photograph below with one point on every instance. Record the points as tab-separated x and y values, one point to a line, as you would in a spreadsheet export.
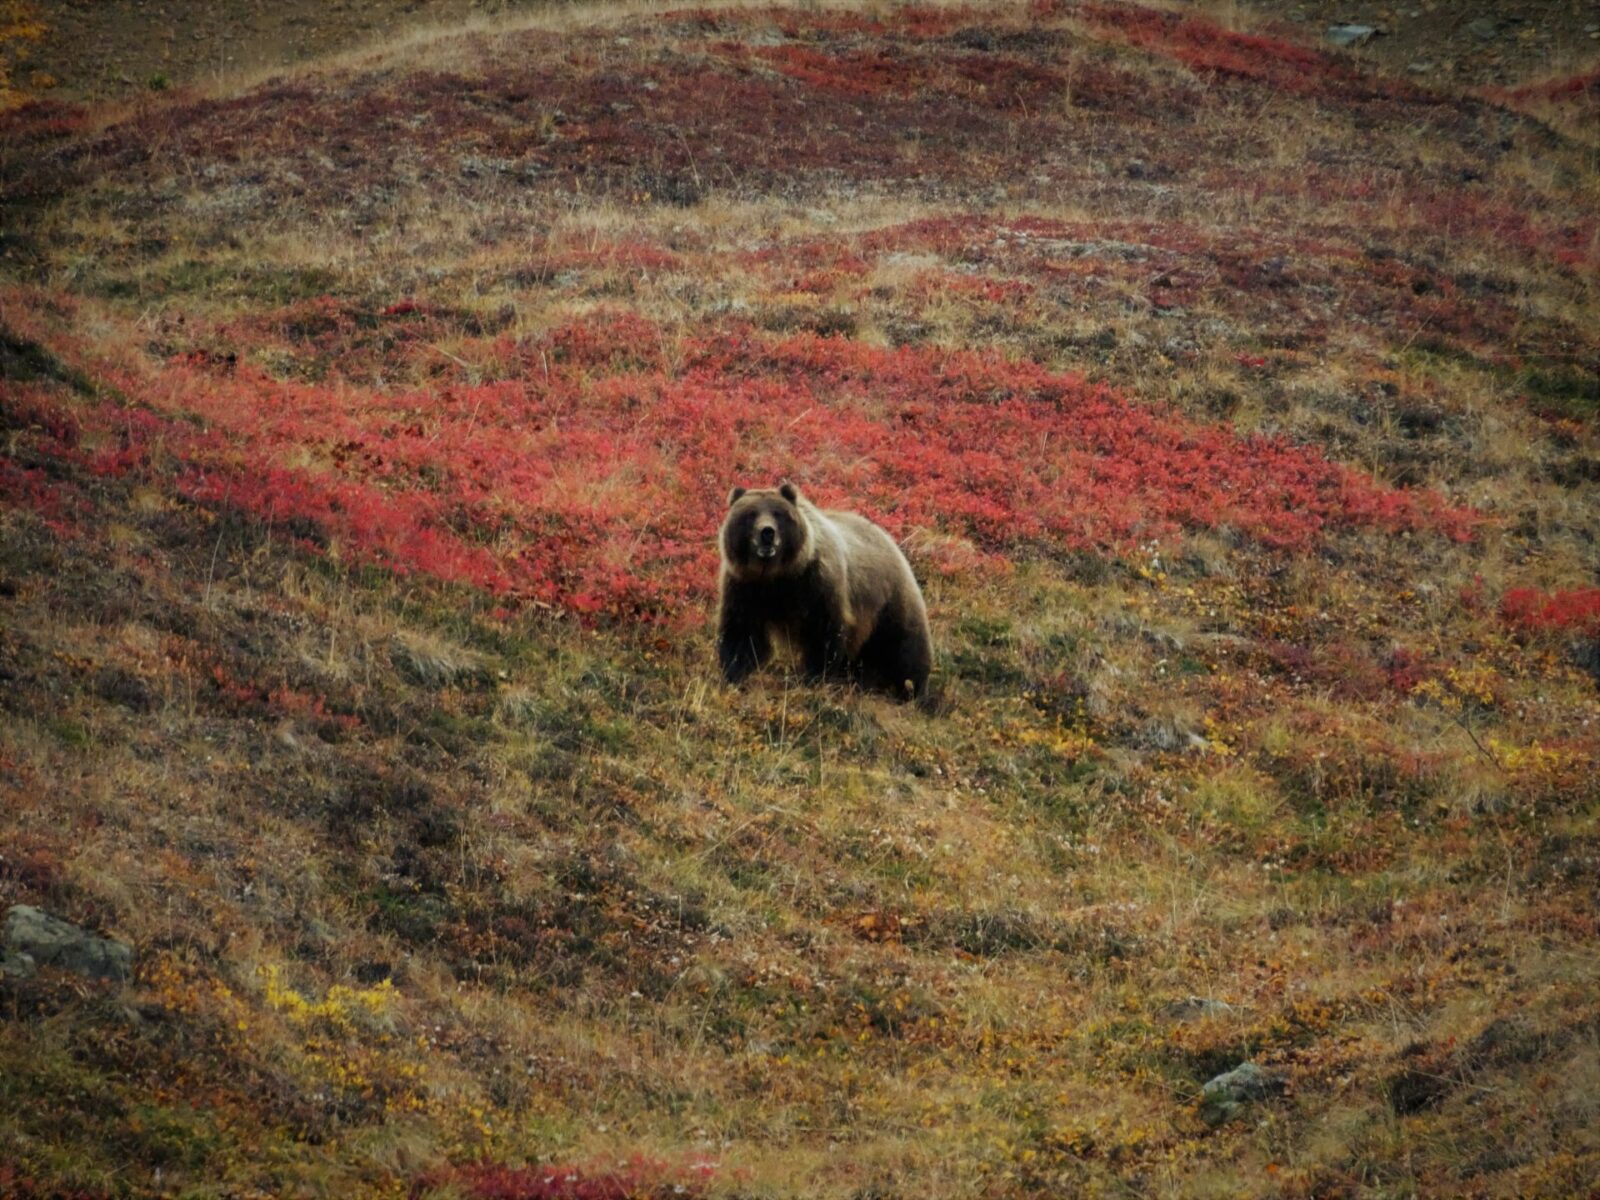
33	937
1224	1096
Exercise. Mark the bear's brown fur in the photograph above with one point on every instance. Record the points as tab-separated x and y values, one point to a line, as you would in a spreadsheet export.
832	584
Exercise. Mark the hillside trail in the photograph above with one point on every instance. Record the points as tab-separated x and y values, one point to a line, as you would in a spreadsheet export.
108	49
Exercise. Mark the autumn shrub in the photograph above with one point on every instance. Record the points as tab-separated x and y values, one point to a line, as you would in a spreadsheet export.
1577	610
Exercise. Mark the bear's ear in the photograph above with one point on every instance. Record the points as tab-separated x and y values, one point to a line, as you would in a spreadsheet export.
733	496
789	492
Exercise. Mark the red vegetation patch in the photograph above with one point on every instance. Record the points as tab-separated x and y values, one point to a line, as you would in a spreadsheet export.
863	73
1206	47
1534	610
1407	668
638	1179
592	481
281	700
53	502
1348	671
1584	87
42	489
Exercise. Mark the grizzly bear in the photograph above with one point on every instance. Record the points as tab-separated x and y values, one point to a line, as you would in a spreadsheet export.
831	584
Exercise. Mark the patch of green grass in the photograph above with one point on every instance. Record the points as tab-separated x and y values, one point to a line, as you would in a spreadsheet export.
214	282
70	731
1561	391
25	361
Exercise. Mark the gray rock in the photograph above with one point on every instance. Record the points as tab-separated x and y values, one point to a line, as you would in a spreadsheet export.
1224	1096
1247	1081
1484	28
33	934
1193	1008
1350	35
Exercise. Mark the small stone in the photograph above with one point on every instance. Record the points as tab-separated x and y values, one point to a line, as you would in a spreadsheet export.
1193	1008
1484	28
1350	35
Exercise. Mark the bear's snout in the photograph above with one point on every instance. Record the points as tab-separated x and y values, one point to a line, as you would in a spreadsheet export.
766	541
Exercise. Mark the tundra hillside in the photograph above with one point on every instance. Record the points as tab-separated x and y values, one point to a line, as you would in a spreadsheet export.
366	431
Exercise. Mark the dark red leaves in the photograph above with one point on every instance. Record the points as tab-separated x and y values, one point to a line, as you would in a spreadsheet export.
1531	609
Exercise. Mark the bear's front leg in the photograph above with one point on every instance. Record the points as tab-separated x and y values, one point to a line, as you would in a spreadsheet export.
742	646
826	651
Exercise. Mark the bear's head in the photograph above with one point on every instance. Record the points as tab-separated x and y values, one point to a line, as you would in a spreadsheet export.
765	534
